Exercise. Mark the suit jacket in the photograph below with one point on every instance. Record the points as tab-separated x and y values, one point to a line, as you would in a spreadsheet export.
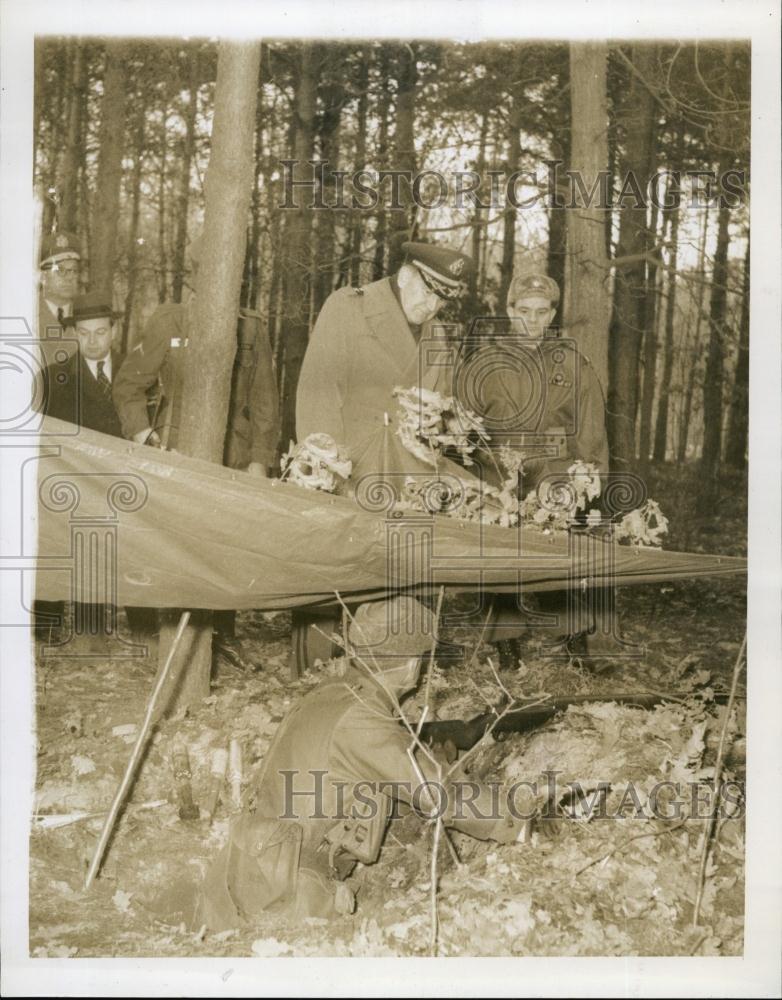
157	361
73	393
360	350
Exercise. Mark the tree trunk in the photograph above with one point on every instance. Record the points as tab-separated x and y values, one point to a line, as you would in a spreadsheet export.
627	321
714	377
738	426
404	150
513	142
298	245
56	114
107	191
692	366
183	195
210	357
356	228
332	98
383	114
69	184
251	281
135	211
663	406
587	306
41	48
650	344
477	221
162	271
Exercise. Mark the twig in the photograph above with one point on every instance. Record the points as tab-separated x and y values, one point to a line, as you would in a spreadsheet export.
135	756
475	651
716	781
431	653
621	847
435	923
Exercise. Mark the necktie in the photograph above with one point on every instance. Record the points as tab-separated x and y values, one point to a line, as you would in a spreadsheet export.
103	380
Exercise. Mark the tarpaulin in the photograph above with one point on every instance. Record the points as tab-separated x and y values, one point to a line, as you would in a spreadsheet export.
138	526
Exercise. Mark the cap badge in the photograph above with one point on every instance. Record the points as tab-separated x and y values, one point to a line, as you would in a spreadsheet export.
61	241
457	267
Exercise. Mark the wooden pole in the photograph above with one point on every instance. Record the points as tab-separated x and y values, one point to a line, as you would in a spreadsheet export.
135	756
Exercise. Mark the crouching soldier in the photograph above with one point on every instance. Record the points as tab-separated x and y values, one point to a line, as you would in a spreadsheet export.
327	787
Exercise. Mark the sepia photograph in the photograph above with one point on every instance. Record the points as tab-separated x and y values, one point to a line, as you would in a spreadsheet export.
383	476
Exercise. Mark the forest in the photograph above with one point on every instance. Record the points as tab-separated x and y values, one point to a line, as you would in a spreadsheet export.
622	169
654	269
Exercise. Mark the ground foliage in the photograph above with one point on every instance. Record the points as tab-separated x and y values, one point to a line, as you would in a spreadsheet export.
604	887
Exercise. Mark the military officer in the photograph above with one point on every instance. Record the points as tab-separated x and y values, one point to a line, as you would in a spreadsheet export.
59	285
324	794
365	343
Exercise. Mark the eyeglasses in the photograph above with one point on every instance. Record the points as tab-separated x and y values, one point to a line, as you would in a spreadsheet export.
63	270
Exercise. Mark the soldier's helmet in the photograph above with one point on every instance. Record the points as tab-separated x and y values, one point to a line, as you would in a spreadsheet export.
387	632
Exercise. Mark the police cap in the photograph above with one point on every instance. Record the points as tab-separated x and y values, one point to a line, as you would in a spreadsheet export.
59	246
444	271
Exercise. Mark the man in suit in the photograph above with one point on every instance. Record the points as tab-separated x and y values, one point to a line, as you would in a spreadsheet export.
59	274
78	390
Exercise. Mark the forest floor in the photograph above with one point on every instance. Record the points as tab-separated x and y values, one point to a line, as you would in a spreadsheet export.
623	885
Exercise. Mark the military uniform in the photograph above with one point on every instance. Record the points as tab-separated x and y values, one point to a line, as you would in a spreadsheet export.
56	344
543	397
289	853
253	420
360	350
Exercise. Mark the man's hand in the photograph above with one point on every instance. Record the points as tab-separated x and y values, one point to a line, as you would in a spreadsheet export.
147	436
257	470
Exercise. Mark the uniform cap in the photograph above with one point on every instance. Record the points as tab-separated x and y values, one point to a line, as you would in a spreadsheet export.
401	627
93	305
59	246
533	283
444	271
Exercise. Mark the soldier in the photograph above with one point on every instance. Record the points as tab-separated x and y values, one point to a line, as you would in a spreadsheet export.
59	276
542	389
324	795
543	397
366	341
156	362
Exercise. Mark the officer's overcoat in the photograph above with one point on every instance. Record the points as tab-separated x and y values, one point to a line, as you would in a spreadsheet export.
360	350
